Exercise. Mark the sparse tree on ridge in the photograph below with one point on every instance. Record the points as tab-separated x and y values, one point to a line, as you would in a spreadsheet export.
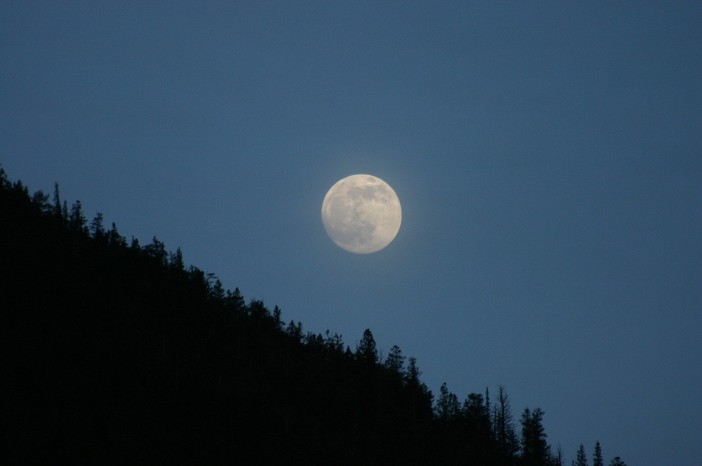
58	212
156	250
477	419
96	227
41	200
557	459
333	342
581	457
597	456
395	360
412	373
447	407
474	409
294	330
176	259
76	219
503	426
617	461
367	351
116	240
535	450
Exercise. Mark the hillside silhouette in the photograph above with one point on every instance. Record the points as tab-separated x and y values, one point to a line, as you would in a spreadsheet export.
117	353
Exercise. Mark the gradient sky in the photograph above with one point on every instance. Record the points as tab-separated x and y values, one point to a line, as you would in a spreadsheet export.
548	157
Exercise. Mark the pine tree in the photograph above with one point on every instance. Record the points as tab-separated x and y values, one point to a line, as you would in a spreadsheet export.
76	219
40	200
617	461
97	228
234	303
581	458
597	456
334	342
503	426
367	352
395	360
4	182
447	406
155	250
217	292
412	373
114	239
294	330
558	457
535	450
477	415
420	396
57	202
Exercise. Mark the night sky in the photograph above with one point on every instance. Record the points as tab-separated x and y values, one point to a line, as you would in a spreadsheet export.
547	155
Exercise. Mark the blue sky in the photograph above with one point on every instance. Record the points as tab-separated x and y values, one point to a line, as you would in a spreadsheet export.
548	157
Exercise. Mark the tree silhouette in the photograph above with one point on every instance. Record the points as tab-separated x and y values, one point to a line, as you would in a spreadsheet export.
535	450
97	229
597	455
447	407
58	210
76	219
581	457
395	361
557	459
503	427
367	351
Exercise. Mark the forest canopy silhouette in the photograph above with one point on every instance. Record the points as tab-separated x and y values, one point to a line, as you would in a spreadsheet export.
120	353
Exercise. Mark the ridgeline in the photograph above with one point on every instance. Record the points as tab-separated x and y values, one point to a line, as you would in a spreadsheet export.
117	353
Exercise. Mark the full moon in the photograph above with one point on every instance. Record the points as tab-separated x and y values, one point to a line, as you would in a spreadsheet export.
361	214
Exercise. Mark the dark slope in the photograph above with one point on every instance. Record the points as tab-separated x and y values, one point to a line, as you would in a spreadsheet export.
117	353
120	354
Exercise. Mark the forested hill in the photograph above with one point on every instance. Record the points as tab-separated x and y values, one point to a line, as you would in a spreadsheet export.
119	353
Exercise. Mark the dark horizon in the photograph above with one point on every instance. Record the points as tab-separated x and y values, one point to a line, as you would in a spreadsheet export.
123	353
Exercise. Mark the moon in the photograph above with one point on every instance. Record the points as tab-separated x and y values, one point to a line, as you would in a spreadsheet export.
361	214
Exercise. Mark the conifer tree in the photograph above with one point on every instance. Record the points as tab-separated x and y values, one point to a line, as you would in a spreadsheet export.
447	406
176	260
395	360
96	227
57	202
535	450
617	461
294	330
235	303
114	239
477	415
597	456
40	199
76	219
420	395
333	342
367	351
503	426
155	250
558	457
217	292
581	458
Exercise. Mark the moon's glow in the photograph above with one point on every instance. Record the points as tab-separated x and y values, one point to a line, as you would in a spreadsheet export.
361	214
